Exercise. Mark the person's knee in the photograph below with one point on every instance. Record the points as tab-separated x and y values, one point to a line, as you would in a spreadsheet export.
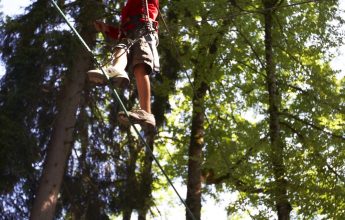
142	69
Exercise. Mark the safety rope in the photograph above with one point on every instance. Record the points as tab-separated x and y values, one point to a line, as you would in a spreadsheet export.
114	92
148	24
146	11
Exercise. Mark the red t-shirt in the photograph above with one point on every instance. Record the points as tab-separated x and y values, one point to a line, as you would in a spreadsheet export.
135	8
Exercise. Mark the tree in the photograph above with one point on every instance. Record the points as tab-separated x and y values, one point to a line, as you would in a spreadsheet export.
249	91
277	146
26	115
61	141
201	59
263	173
269	52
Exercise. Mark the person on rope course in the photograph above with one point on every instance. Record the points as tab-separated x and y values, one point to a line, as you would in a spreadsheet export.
135	53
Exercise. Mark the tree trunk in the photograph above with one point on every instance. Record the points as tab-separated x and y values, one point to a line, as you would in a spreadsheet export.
277	147
194	180
62	136
146	180
193	200
127	213
60	144
130	194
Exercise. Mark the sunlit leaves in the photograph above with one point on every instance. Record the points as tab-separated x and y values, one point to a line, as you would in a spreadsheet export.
311	97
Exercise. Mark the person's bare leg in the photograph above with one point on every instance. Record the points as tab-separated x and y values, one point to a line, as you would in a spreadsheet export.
143	86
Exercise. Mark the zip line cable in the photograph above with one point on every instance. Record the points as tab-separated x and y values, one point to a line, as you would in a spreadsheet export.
114	92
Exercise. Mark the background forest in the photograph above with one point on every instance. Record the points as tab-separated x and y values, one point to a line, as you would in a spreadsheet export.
248	110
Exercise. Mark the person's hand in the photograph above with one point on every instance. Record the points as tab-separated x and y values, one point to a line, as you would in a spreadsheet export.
101	26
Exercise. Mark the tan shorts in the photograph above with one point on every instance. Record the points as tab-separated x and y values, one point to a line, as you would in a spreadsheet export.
144	50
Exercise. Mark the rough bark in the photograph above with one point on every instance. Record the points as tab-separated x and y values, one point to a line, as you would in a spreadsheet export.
277	147
193	200
62	136
59	147
127	214
146	180
131	188
195	176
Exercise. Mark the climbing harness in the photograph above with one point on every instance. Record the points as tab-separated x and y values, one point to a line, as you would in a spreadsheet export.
114	92
146	15
137	27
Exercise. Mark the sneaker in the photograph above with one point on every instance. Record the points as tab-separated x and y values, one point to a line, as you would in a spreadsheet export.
138	116
118	78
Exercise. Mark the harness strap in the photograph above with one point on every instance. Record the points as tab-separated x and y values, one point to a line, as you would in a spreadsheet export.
146	15
134	27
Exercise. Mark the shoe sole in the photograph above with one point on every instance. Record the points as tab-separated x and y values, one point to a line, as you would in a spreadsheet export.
123	119
100	80
96	78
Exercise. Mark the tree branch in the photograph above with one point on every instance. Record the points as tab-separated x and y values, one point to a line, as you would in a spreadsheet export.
322	129
239	184
234	4
302	138
311	94
251	47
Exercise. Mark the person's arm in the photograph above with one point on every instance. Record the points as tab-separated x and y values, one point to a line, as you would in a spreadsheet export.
107	30
101	26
